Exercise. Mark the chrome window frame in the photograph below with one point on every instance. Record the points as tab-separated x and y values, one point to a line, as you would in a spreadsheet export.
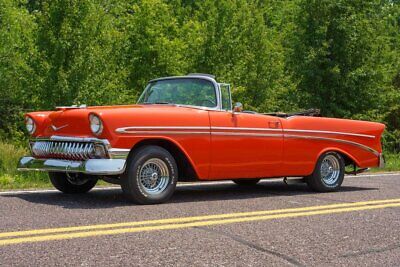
230	95
210	79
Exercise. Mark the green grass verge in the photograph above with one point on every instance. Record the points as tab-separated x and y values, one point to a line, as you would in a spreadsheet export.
392	164
10	178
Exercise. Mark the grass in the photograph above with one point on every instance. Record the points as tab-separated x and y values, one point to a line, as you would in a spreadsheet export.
10	178
392	163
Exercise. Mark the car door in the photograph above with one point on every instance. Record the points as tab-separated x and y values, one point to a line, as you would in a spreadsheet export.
245	145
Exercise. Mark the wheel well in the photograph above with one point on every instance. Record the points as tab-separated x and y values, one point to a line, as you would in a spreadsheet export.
185	169
347	159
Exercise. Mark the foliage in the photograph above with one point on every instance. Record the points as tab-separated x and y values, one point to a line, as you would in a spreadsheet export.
340	56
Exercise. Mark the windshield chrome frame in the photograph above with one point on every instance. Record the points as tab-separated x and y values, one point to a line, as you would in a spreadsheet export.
215	84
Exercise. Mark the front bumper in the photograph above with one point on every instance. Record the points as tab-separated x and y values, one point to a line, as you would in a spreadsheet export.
90	166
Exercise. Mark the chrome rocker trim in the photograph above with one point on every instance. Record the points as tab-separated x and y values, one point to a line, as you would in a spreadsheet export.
90	166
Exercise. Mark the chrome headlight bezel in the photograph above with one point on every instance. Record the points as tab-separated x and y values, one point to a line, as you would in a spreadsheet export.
96	124
30	125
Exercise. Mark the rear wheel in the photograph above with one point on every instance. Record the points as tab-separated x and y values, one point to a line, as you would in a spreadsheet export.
328	174
151	176
72	183
246	182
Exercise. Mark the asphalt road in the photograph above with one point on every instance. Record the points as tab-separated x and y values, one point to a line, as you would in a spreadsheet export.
207	225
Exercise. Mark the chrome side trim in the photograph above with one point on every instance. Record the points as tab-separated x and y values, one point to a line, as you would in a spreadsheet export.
367	148
151	128
165	132
91	166
246	134
328	132
246	129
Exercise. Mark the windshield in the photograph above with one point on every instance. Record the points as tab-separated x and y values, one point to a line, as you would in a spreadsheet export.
183	91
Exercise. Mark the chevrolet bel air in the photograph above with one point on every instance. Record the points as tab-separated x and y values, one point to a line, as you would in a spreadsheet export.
185	128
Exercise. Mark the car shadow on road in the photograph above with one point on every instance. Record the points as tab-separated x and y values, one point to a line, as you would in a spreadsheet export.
113	197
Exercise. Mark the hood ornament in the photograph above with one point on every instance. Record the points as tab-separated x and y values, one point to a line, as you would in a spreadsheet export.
55	128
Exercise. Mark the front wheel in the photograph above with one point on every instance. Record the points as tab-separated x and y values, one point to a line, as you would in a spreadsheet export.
151	176
328	174
72	183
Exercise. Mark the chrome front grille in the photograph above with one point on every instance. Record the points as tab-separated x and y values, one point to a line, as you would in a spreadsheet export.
71	150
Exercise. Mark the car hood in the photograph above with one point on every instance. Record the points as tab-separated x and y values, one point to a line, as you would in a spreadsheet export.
74	121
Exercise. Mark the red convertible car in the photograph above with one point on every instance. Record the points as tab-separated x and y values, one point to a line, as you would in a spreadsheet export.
184	128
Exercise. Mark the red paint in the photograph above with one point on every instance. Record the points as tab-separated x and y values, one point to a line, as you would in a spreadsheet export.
218	153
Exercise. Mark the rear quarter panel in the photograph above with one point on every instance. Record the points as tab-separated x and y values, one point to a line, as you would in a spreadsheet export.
306	138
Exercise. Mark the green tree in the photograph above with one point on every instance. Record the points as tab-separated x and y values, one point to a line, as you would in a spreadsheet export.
336	57
18	83
79	46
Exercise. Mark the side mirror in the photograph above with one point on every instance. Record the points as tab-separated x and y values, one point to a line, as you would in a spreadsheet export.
238	107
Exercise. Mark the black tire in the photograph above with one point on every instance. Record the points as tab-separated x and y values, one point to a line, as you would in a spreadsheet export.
138	191
246	182
62	182
316	180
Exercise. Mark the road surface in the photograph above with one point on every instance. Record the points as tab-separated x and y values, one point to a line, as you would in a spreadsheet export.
209	224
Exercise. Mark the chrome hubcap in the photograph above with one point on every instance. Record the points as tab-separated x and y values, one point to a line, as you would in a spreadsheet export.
154	176
330	170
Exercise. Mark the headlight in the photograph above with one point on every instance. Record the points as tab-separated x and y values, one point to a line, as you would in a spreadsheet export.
30	125
96	126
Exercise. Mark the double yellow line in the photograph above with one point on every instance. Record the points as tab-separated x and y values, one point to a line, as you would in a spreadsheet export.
39	235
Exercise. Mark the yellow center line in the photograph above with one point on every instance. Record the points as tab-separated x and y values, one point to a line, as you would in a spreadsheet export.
177	223
187	225
189	219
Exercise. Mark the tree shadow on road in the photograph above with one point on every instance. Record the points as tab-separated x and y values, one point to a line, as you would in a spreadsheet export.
113	197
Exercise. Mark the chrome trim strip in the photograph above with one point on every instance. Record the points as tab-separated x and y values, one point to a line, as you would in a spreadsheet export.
246	129
246	134
164	132
149	128
328	132
367	148
119	153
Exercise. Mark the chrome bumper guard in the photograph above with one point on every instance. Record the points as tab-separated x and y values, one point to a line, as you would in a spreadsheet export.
90	166
381	161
